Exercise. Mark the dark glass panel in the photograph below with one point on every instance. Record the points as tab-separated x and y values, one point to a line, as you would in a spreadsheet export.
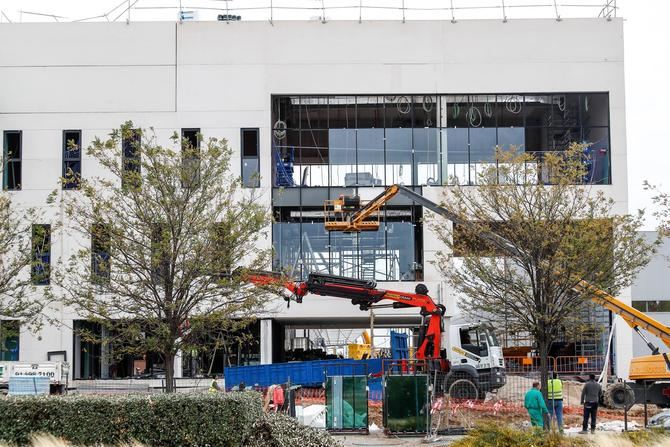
314	112
398	111
13	144
595	109
457	111
510	110
369	112
481	111
538	110
71	144
425	111
342	112
286	112
566	110
598	154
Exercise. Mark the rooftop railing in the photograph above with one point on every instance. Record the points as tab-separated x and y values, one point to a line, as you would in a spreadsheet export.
315	10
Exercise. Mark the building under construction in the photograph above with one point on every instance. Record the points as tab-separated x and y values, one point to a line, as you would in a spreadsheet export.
313	111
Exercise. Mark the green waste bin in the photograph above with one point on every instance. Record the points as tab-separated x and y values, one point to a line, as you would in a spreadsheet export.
406	406
346	403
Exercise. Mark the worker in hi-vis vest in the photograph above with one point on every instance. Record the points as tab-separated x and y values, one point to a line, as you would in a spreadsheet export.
555	398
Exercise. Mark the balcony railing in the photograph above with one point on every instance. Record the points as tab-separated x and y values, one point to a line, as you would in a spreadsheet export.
317	10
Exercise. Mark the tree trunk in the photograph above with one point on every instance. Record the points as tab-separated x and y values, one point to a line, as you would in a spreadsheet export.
169	373
543	348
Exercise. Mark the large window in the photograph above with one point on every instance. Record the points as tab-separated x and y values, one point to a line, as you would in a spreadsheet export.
348	141
392	253
12	148
9	340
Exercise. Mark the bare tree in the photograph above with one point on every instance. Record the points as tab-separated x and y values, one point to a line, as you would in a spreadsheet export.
560	230
159	236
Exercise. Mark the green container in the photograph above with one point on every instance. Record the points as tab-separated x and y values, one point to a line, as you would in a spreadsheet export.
406	406
346	403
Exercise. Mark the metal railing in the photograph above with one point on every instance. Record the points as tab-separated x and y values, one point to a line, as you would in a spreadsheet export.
325	10
573	364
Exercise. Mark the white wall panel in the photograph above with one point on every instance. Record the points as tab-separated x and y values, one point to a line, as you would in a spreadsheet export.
86	89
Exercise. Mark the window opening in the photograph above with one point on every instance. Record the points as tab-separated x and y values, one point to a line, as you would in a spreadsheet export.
71	159
12	148
250	158
40	271
131	143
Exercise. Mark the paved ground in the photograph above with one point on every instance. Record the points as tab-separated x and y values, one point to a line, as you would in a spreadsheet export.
379	439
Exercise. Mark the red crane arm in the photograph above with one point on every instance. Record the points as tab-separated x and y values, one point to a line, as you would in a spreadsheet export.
365	294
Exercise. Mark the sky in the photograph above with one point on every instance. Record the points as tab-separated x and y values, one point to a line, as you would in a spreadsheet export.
646	41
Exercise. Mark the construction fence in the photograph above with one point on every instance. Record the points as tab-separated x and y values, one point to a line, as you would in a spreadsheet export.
577	365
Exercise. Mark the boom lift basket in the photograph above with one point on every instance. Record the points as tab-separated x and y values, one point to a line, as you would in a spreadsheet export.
337	215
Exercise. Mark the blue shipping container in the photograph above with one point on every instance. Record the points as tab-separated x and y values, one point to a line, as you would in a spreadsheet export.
308	374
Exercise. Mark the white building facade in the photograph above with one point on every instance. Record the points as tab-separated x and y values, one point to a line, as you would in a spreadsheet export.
319	109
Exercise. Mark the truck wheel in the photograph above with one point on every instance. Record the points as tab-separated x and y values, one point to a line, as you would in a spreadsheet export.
463	386
464	389
618	396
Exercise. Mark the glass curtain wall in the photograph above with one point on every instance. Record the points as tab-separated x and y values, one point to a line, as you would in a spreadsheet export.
392	253
353	141
348	141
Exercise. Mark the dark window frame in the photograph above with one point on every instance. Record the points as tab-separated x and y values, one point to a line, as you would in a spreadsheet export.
255	180
15	161
69	161
414	216
40	269
195	131
100	253
131	161
291	108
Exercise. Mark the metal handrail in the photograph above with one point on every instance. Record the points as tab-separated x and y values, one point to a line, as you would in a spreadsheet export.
333	10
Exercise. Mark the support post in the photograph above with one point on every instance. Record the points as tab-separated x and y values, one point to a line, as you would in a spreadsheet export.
372	332
266	341
178	366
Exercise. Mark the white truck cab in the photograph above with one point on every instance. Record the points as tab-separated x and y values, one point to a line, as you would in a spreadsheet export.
474	354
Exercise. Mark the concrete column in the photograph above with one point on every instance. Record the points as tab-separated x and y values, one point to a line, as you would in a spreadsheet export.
623	340
178	370
104	355
76	359
266	341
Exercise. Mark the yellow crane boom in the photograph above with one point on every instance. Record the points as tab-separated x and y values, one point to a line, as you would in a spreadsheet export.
634	318
354	220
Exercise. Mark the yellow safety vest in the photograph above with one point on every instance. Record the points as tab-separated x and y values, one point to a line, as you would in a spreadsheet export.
554	389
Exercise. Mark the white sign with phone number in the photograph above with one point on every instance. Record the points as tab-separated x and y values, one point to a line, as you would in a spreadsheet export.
34	370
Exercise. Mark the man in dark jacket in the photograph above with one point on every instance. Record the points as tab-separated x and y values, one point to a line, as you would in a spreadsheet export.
590	398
